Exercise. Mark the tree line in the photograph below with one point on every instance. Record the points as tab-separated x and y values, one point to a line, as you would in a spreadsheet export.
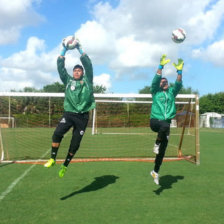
59	88
208	103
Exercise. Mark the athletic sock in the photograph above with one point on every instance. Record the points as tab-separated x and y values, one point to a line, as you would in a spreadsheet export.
158	142
156	168
54	151
68	159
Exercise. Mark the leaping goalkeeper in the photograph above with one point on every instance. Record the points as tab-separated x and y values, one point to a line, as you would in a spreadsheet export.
79	100
163	110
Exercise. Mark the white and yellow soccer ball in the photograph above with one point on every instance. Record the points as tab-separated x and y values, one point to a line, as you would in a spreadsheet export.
178	35
70	42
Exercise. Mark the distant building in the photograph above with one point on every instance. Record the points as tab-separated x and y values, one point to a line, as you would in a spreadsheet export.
211	120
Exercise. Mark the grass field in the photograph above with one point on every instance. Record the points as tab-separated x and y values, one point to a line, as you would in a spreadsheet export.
33	143
118	192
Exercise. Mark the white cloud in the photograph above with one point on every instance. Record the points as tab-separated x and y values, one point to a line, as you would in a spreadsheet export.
136	33
130	37
97	41
203	25
29	68
14	16
213	53
34	67
29	58
9	35
102	80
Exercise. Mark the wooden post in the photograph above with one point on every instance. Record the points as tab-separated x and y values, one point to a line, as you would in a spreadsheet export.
94	122
183	129
197	143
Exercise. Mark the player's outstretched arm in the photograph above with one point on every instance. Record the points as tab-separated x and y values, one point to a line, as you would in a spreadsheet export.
61	64
63	51
155	86
86	62
79	47
179	66
178	84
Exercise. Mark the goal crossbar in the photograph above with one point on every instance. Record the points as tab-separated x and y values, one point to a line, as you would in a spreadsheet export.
96	95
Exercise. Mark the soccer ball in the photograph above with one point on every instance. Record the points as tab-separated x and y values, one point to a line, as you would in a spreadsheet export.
178	35
69	42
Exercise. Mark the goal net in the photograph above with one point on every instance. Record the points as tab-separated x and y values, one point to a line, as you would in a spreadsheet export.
118	127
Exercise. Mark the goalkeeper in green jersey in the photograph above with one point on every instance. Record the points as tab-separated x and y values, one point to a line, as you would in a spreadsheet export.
163	110
78	101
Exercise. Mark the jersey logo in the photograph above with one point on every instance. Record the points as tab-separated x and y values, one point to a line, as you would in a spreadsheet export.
73	85
81	132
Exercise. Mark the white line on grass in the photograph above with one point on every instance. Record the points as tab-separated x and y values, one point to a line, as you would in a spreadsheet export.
16	181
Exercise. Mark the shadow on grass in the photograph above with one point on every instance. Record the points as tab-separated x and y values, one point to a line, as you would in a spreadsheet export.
166	182
98	183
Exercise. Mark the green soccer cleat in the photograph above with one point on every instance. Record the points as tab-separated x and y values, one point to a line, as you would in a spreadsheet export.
62	171
49	163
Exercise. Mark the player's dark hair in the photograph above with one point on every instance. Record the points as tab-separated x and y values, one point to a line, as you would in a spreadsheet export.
78	66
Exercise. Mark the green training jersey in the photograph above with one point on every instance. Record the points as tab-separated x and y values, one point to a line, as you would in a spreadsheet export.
163	106
78	93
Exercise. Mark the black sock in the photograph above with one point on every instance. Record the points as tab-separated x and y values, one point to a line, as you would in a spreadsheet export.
54	151
158	142
68	159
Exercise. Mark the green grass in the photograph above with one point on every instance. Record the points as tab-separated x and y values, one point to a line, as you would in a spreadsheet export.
33	143
119	192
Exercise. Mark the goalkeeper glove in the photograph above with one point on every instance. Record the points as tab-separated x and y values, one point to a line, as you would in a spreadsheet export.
179	66
163	61
63	51
79	46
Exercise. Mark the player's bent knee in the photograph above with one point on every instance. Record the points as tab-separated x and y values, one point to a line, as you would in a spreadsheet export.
56	138
73	149
165	129
55	144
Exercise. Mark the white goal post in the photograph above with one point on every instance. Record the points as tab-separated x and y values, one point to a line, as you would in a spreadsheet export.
117	117
190	100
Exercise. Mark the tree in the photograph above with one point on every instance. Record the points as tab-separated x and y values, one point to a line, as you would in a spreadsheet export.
26	89
54	88
60	88
188	90
99	89
212	103
145	90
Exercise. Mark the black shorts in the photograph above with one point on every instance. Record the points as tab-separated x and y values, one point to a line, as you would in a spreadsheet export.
76	120
161	127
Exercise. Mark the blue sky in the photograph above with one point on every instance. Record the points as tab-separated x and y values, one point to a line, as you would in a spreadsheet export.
124	38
